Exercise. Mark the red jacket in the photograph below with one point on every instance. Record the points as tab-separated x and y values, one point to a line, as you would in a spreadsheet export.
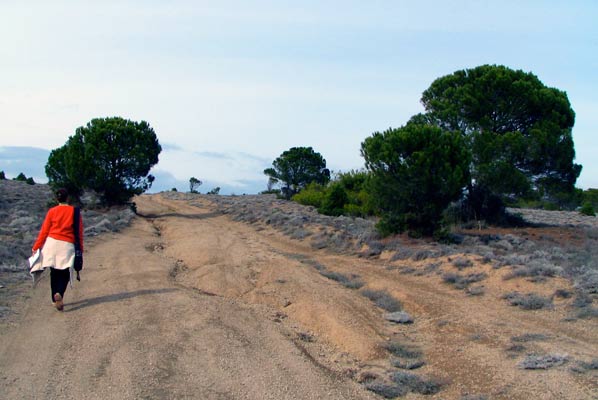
59	225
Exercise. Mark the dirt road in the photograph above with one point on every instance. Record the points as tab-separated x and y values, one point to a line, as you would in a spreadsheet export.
130	331
189	304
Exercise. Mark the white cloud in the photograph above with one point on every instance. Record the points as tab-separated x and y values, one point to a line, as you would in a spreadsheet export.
236	170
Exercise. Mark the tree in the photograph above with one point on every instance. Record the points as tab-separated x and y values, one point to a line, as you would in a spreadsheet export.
194	183
111	156
518	130
334	200
2	176
297	167
23	178
20	178
416	171
214	191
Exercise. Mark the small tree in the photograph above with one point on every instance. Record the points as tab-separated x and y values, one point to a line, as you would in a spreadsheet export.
417	170
21	177
2	176
297	167
111	156
215	190
194	183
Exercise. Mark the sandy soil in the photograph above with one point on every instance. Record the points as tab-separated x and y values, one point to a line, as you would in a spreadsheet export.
187	303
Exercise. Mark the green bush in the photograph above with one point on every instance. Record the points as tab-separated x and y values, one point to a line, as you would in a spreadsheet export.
345	195
591	196
334	200
353	210
587	209
313	195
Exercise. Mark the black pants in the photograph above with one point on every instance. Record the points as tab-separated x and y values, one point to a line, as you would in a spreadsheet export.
59	280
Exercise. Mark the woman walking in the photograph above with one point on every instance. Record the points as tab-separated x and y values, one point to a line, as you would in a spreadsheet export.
56	240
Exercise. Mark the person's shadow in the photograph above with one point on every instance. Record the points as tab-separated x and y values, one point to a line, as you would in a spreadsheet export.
77	305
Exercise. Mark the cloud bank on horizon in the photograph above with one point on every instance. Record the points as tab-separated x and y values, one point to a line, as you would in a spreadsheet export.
228	86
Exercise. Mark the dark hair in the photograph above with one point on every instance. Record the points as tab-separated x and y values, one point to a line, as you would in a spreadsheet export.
61	195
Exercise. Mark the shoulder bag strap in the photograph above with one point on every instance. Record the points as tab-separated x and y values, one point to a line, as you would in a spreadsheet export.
76	229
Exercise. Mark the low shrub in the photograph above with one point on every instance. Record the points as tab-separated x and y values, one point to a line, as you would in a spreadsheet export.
530	301
587	313
583	299
461	263
535	268
516	348
385	390
563	293
543	361
401	350
407	364
587	366
306	337
462	281
416	383
475	291
351	282
588	282
383	299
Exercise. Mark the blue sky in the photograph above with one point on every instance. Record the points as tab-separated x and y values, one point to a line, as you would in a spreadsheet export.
229	85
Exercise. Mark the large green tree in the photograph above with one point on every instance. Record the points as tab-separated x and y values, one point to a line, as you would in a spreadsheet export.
297	167
416	171
518	130
112	156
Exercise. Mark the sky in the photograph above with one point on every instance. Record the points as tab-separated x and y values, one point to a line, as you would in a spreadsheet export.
229	85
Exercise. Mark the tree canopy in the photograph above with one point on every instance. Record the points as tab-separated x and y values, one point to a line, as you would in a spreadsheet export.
111	156
417	170
518	130
297	167
194	183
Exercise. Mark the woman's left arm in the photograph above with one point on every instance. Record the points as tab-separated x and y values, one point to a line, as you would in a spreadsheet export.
43	232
